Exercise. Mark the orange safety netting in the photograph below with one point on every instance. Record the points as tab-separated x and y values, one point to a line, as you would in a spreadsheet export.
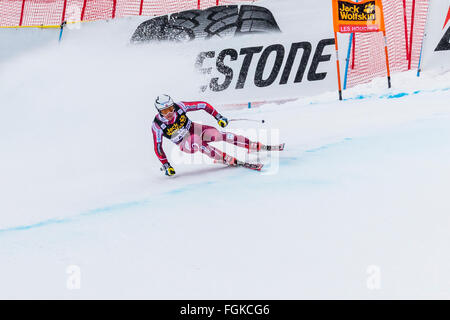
16	13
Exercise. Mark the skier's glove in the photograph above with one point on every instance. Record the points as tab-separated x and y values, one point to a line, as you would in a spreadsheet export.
222	121
169	170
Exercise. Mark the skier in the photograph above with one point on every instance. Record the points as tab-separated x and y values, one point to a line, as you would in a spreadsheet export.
172	122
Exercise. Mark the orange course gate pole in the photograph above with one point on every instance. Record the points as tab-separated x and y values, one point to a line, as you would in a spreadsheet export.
388	69
338	67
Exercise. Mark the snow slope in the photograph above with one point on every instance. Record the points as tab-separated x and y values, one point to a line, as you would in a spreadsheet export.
362	183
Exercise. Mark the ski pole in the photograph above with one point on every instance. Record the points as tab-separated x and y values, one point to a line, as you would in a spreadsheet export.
252	120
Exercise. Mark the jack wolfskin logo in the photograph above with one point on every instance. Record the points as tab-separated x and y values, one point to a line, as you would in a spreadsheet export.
369	9
357	12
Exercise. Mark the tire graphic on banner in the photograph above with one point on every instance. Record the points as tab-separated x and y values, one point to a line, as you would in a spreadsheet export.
214	22
444	45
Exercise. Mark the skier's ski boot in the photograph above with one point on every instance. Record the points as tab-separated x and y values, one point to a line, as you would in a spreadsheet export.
229	160
233	162
258	146
255	146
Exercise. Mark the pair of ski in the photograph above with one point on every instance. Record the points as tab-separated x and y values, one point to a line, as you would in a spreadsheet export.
256	166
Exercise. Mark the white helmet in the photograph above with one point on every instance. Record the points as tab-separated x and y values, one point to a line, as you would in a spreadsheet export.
163	101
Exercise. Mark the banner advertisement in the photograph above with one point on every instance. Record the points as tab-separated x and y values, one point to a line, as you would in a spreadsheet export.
364	16
265	71
250	53
436	48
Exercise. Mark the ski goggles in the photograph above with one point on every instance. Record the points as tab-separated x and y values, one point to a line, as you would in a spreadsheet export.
168	110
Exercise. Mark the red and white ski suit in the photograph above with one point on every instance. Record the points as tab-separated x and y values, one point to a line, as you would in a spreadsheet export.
190	136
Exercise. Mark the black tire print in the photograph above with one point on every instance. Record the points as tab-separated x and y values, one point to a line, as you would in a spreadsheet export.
214	22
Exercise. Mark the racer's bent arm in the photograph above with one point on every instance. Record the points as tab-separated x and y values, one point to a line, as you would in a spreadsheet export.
202	105
157	141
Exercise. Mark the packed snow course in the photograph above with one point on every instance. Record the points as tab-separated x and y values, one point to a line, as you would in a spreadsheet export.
361	186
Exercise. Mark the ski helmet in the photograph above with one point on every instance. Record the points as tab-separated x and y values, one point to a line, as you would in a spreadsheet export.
163	101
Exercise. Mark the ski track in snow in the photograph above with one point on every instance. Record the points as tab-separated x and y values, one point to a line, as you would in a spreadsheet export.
148	202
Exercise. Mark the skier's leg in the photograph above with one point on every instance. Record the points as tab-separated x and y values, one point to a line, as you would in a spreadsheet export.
211	152
211	134
193	143
217	154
